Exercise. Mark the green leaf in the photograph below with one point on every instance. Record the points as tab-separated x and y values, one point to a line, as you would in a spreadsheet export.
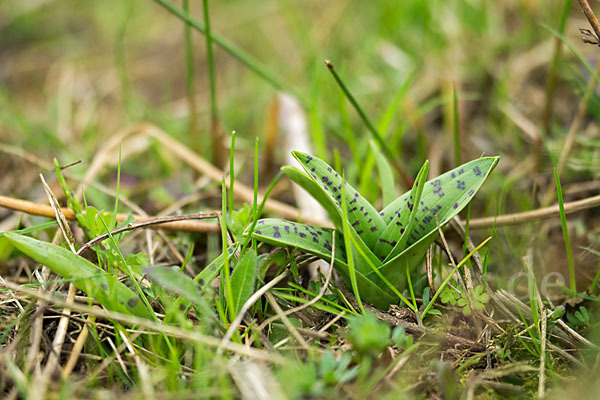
94	281
172	279
310	239
395	236
395	269
242	280
444	196
363	217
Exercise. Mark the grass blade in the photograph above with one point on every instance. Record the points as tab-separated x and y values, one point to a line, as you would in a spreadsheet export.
385	173
232	49
565	229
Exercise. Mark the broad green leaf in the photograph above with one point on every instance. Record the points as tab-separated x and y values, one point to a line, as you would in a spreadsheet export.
394	237
446	187
94	281
242	280
388	188
172	279
363	217
444	196
310	239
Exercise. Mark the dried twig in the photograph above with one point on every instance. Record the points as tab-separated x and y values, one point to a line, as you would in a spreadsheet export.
173	223
589	14
540	213
146	224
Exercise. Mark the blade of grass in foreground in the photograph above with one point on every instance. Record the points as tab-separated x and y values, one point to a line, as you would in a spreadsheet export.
565	229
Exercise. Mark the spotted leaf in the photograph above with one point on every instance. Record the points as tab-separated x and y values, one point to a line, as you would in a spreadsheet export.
362	216
308	238
444	196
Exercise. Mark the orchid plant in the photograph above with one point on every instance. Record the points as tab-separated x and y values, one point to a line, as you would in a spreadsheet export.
375	251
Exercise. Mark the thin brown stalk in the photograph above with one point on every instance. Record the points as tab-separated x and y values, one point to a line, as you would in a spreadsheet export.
543	329
145	224
76	350
173	223
535	215
591	17
333	321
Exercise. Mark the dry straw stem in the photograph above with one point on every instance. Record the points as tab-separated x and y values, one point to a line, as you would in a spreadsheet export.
185	334
589	14
540	213
170	223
